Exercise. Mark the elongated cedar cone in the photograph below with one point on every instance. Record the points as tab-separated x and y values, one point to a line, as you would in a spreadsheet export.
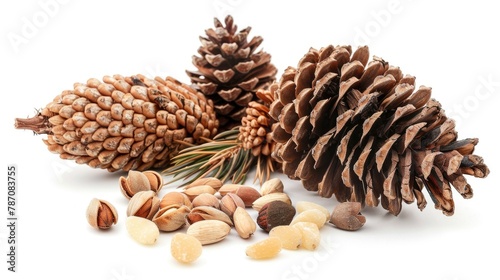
124	123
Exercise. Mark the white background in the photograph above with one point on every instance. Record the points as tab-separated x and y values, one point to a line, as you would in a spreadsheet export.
451	46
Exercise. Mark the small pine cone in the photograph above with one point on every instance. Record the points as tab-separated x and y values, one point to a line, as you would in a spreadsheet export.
124	123
255	130
230	71
360	131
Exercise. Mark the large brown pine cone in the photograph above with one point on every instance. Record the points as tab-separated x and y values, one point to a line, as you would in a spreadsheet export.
230	70
124	123
360	131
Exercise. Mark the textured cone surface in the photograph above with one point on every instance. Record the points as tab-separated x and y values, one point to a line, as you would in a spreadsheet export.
361	131
230	70
255	130
233	153
124	123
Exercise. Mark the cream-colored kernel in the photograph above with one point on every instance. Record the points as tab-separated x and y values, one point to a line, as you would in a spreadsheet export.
265	249
311	215
291	237
142	230
310	235
185	248
302	206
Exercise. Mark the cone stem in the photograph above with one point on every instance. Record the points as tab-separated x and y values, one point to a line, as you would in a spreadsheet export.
38	124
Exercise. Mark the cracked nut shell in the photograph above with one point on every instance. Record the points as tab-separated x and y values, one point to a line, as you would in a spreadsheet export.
101	214
347	216
275	213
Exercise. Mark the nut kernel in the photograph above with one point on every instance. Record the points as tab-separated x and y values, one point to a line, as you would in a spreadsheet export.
291	237
265	249
185	248
311	215
310	235
142	230
302	206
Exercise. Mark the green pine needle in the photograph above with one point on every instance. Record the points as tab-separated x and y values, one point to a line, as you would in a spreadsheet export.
223	158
